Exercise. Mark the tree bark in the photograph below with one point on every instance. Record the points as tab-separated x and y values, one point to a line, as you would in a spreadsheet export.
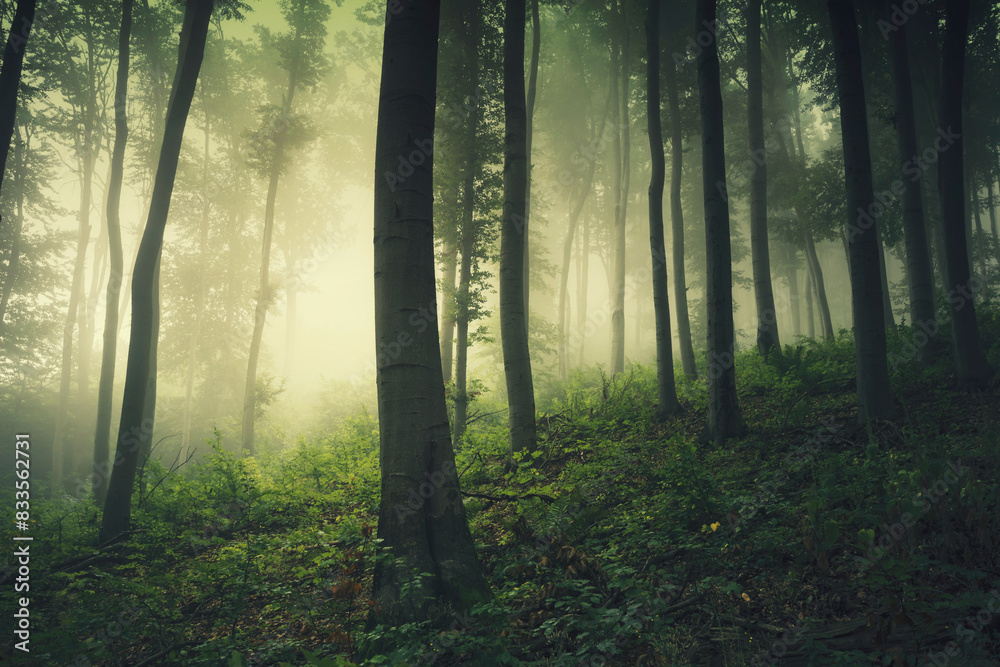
109	352
724	416
10	76
874	396
991	203
449	262
970	361
621	207
919	274
767	322
421	516
132	431
14	259
677	226
667	403
536	44
513	329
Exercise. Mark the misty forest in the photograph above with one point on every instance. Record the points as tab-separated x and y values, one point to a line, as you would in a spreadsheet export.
475	332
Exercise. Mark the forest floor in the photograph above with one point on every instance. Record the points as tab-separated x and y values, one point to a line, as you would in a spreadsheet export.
620	541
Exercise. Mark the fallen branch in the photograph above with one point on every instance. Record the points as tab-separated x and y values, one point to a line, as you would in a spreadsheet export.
484	496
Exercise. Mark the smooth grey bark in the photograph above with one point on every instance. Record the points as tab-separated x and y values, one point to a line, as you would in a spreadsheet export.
623	172
919	274
421	516
132	431
874	395
971	366
767	314
10	75
449	273
724	416
532	92
667	403
890	321
109	352
513	319
688	363
793	288
810	320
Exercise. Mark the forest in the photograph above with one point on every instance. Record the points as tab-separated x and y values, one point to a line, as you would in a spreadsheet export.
563	333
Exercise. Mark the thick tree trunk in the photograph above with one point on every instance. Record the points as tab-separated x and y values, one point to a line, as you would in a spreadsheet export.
970	362
874	396
132	431
421	517
677	225
667	403
10	75
623	171
724	417
536	44
767	322
102	434
919	274
513	319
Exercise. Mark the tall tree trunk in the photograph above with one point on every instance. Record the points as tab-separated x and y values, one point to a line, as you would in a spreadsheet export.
14	258
677	225
421	516
990	202
767	318
793	288
513	319
810	321
469	234
10	76
919	274
970	362
132	431
449	273
890	321
667	403
199	302
536	44
102	434
582	289
819	284
724	417
874	396
574	217
621	207
981	237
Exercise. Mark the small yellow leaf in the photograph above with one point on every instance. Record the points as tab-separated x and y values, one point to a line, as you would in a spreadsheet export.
715	526
746	597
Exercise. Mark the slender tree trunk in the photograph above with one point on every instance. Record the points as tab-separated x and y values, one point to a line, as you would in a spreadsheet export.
109	353
793	288
970	361
991	202
919	274
513	319
621	207
890	321
874	396
667	403
14	259
582	289
810	321
816	274
724	416
448	275
10	76
536	44
677	226
767	319
199	303
132	431
421	516
469	233
981	237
